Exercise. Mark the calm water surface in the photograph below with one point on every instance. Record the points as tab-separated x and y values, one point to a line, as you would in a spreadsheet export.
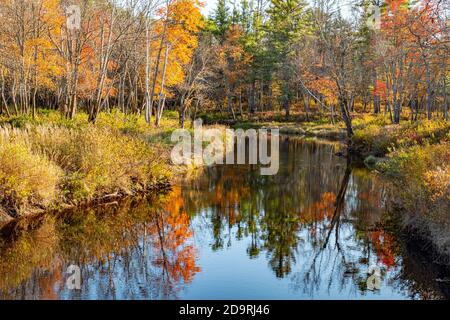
313	231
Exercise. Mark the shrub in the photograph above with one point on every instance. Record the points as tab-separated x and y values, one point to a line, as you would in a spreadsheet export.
25	178
422	175
378	140
97	160
371	161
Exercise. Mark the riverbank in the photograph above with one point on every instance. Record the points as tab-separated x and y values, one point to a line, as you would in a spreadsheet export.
299	125
415	159
51	163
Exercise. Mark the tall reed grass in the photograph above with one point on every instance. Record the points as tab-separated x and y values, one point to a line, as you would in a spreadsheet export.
49	164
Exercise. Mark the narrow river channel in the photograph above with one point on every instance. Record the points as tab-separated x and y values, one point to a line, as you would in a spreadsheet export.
316	230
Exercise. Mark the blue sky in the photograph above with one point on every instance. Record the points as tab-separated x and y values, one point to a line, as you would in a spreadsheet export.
344	5
209	5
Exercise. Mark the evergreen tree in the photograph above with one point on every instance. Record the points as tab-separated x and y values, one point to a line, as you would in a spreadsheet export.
221	18
288	22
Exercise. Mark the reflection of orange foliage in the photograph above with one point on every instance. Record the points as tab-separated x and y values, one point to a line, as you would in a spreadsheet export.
228	198
383	244
230	192
320	210
370	197
173	240
176	201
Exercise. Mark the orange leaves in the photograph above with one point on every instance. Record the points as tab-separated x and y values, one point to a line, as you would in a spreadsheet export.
184	21
410	39
326	87
26	48
394	23
402	23
233	58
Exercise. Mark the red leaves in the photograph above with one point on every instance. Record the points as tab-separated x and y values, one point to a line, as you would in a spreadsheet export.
380	89
383	245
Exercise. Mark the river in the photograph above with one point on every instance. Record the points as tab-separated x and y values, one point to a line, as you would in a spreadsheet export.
319	229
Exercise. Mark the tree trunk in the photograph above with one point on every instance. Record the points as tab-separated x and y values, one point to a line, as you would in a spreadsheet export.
162	96
346	117
252	98
147	108
286	107
5	103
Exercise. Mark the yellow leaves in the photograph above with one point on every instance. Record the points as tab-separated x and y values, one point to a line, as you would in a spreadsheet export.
24	175
43	55
184	21
437	182
31	53
326	87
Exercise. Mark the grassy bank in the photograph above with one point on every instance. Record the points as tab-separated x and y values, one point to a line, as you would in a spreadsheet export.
50	162
320	128
415	159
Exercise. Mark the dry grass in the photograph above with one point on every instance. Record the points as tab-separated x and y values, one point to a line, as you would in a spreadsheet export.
26	179
373	135
48	163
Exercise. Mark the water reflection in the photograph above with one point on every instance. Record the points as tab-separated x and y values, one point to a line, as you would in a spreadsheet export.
311	231
143	248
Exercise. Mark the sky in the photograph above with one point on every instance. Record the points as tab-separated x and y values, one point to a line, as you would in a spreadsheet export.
344	5
209	6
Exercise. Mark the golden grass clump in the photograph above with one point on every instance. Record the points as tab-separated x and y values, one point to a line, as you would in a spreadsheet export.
25	178
43	164
97	160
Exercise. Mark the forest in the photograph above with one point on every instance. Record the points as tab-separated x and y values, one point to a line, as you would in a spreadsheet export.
248	56
91	91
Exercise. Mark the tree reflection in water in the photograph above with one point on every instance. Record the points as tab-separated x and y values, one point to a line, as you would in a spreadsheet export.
318	224
140	249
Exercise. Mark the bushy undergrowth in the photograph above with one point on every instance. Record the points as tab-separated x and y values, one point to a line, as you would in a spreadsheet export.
422	175
52	161
374	136
25	178
415	157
